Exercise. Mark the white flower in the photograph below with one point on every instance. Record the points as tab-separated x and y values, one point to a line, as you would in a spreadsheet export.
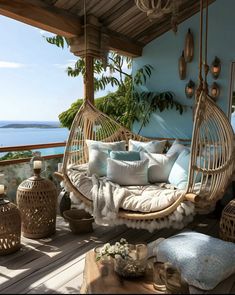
117	256
123	241
117	244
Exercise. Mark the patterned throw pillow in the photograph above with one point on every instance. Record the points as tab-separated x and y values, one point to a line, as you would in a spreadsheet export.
159	166
154	146
127	172
203	261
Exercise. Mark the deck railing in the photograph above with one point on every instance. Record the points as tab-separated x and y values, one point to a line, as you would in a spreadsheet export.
27	148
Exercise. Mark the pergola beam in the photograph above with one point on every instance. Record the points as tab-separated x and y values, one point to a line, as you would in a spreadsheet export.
58	21
37	14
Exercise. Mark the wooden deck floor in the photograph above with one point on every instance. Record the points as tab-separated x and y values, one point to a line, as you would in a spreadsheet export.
55	264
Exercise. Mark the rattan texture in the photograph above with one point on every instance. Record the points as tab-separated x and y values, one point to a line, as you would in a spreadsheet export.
227	222
37	201
211	131
10	229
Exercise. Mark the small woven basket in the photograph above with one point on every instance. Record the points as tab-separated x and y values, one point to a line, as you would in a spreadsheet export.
79	221
227	222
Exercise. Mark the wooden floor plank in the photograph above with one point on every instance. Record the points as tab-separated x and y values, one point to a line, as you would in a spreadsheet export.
55	265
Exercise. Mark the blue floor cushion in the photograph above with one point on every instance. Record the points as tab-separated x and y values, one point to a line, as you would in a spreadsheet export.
203	261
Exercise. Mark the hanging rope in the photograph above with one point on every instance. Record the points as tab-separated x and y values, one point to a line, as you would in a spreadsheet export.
200	79
85	41
206	67
203	82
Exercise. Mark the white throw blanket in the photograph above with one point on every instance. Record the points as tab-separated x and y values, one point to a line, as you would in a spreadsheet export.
107	197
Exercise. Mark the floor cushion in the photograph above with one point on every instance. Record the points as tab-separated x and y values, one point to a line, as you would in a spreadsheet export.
203	261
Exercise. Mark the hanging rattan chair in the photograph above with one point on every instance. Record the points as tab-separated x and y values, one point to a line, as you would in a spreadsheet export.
211	152
212	133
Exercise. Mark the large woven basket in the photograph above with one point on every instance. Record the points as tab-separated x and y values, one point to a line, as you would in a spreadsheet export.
10	228
79	221
227	222
37	201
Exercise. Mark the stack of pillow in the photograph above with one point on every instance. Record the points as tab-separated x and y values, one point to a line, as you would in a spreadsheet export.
143	163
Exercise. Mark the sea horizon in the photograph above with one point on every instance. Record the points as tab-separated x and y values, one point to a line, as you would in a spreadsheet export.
30	136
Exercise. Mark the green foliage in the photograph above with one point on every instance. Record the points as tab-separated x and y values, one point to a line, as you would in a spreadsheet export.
17	155
127	104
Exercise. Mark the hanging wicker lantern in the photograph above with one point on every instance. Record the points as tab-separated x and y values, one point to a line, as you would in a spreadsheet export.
37	201
189	47
182	67
227	222
10	226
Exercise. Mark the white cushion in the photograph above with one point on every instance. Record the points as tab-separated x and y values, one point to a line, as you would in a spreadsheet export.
113	146
154	146
203	261
127	172
150	198
176	147
159	166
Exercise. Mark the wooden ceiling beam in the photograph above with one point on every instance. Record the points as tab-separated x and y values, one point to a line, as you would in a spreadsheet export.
45	17
123	45
58	21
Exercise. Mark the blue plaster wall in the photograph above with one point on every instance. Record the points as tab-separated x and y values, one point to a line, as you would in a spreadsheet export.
163	54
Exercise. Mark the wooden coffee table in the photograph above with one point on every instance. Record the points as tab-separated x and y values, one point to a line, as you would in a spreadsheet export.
101	278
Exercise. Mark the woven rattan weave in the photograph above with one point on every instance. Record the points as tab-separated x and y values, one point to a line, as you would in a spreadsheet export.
10	228
227	222
37	199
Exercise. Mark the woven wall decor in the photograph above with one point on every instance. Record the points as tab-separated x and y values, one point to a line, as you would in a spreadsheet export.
37	201
10	228
227	222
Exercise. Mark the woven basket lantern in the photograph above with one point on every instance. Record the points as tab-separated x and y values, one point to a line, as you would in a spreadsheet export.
37	201
227	222
10	227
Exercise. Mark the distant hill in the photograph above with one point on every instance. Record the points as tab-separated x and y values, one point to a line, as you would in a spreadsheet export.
41	126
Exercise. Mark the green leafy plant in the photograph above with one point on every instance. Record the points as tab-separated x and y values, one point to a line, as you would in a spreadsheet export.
127	104
17	155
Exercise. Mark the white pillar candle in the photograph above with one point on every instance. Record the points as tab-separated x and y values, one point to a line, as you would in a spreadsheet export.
1	189
37	164
59	167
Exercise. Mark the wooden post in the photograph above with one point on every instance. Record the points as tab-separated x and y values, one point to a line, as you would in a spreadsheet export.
89	79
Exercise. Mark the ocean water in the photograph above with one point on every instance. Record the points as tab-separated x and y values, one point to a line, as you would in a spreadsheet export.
25	136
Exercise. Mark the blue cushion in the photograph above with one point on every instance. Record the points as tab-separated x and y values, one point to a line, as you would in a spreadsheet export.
125	155
98	162
179	172
154	146
98	154
203	261
127	172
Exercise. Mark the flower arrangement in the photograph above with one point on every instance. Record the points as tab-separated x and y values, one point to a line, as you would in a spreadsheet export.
129	259
118	250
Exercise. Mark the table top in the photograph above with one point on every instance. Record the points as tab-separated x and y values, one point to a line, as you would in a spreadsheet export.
100	278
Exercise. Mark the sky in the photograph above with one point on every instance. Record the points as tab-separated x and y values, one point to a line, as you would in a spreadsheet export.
33	80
